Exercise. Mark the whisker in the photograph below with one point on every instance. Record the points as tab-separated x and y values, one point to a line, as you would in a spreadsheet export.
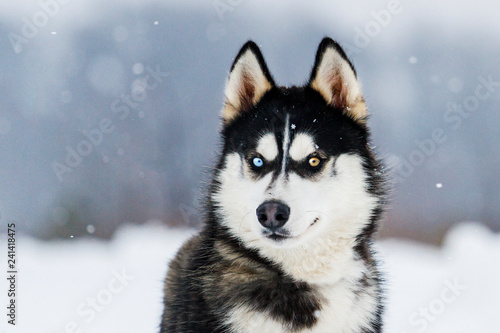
317	211
242	219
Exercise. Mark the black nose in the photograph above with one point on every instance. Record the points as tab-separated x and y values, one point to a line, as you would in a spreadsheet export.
273	214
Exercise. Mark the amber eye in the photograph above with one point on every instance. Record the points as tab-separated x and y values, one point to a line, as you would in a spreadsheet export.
314	161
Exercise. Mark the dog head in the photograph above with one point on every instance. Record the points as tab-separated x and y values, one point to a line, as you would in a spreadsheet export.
296	165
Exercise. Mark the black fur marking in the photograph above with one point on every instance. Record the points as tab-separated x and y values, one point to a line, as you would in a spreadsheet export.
308	112
215	272
303	169
257	282
271	291
268	166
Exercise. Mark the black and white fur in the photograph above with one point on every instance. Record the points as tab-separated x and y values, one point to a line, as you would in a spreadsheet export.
315	273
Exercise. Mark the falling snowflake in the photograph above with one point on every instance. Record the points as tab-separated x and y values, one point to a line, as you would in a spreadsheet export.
439	185
90	229
293	126
138	68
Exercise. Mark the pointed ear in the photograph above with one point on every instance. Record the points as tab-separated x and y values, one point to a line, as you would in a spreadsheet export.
248	81
334	77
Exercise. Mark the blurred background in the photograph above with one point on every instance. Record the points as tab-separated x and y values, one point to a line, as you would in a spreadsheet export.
109	119
109	110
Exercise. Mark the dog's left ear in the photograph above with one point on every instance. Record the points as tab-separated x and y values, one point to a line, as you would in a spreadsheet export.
248	81
334	77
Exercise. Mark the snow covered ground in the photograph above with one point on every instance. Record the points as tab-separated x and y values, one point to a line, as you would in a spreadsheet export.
84	285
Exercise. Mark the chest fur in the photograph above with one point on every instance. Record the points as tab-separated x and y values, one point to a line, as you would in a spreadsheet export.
344	308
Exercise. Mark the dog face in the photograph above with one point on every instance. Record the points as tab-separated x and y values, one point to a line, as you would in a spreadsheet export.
296	166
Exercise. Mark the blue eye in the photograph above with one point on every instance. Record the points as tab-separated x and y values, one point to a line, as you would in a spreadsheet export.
258	162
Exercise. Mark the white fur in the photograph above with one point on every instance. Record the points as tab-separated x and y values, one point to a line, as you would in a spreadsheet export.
341	203
246	71
302	146
268	147
244	320
343	312
321	254
286	142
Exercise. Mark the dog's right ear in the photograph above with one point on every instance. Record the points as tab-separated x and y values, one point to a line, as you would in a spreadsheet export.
248	81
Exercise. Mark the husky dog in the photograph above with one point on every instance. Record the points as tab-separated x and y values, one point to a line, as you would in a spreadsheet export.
290	213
